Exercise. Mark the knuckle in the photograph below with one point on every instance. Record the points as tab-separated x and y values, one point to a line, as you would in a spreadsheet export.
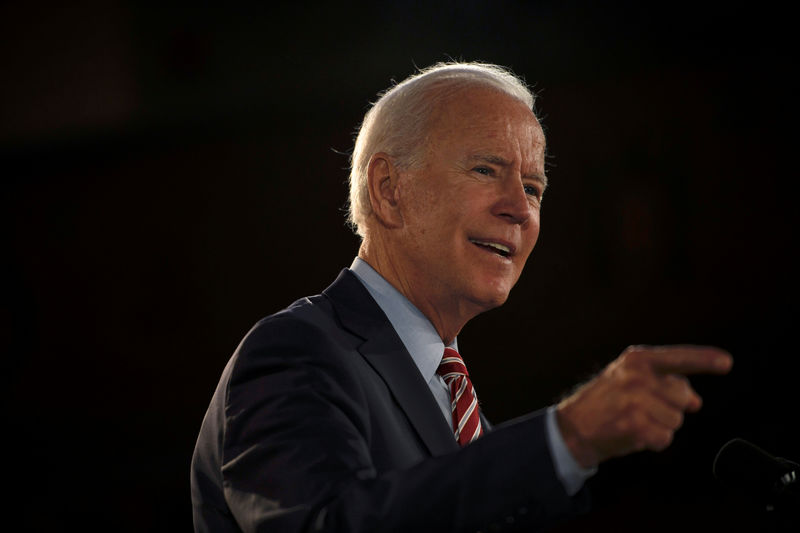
639	423
676	382
678	421
681	379
632	355
630	406
630	348
663	440
688	397
631	379
627	426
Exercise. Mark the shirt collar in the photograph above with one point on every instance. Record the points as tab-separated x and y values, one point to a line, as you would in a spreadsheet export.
414	329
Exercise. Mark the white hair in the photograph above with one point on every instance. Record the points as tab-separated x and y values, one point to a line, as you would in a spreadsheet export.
398	122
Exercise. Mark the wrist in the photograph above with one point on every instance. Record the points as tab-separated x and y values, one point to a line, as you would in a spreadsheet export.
577	444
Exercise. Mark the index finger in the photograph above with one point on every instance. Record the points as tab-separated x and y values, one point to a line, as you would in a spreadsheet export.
689	359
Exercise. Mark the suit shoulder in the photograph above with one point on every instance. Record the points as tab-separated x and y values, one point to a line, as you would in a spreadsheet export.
305	333
305	322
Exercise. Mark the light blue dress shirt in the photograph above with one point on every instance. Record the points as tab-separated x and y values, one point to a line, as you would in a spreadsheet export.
426	348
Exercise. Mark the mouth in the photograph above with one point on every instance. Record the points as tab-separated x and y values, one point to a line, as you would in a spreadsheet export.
500	249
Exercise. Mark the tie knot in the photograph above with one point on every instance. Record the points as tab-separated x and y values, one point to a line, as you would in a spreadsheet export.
452	366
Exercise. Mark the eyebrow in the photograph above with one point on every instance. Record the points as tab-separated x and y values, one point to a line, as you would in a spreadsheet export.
503	162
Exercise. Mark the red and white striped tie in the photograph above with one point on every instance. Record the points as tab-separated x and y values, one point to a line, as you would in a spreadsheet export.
463	401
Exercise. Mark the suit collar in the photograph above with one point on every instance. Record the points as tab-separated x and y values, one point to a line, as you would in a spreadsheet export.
385	352
414	329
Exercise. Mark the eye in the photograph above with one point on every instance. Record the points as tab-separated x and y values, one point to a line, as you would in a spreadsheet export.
532	190
486	171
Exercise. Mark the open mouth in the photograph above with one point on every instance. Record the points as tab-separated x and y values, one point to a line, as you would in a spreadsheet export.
499	249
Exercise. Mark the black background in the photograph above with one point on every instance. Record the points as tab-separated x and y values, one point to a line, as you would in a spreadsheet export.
171	175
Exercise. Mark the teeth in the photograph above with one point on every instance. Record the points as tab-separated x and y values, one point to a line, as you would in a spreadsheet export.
496	246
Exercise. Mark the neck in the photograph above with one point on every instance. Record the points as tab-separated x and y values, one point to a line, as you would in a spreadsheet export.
445	314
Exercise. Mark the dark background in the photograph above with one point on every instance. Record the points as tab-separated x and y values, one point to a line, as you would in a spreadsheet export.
171	175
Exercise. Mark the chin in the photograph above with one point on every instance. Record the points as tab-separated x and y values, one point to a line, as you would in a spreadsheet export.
492	293
490	301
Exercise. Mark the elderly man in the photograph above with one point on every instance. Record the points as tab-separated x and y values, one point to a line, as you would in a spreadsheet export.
353	411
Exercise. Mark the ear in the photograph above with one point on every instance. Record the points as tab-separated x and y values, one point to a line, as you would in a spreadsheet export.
384	193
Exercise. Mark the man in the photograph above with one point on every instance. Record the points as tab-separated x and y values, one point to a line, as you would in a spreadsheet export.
352	410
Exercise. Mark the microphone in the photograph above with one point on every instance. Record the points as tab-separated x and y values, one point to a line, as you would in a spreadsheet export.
754	473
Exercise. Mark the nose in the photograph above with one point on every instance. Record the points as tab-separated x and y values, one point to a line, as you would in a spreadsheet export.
512	203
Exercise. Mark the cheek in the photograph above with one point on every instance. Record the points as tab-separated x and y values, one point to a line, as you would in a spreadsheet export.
530	237
531	233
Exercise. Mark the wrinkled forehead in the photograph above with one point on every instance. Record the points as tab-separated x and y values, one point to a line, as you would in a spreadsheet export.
463	106
487	119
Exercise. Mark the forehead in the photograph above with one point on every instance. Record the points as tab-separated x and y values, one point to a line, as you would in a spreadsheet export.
487	119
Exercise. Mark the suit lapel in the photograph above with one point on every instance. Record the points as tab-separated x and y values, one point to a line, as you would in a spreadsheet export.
385	352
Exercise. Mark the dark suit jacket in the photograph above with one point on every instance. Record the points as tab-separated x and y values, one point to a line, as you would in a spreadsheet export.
322	422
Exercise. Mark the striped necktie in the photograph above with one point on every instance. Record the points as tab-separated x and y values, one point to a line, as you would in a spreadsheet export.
463	401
